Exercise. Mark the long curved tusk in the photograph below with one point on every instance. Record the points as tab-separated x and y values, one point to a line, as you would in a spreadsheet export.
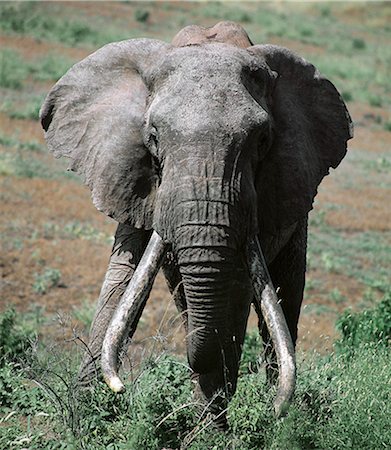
274	317
129	307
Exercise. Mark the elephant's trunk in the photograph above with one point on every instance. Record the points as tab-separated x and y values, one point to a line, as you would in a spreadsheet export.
132	301
217	314
218	296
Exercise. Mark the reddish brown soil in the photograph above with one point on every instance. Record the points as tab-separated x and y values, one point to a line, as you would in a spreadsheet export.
28	205
32	48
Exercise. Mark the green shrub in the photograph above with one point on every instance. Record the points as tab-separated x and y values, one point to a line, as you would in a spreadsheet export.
46	280
141	15
338	404
251	352
375	100
15	340
358	44
347	96
371	326
17	394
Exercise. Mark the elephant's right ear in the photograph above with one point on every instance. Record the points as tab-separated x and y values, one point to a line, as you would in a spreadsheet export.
94	115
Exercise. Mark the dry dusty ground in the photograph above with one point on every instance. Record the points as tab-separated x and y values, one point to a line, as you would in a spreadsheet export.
38	217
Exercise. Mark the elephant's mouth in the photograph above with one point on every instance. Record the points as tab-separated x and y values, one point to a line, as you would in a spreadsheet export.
137	294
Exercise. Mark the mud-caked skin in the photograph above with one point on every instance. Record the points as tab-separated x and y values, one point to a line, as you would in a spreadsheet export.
209	141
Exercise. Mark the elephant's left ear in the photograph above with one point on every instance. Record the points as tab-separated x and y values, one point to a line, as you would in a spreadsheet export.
94	116
311	130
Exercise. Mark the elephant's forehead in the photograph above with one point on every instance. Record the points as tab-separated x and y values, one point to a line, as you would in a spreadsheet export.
209	60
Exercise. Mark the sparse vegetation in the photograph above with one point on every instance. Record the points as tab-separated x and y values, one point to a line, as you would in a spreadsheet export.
158	411
46	280
12	69
28	111
368	327
50	67
141	15
28	18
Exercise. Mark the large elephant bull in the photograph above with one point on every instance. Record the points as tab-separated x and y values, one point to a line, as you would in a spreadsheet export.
210	150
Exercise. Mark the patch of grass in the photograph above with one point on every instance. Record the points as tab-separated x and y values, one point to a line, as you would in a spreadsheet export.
15	337
13	71
358	44
331	263
252	349
73	230
23	164
363	255
46	280
50	67
84	313
24	160
379	165
225	12
317	309
29	110
141	15
347	96
12	142
371	326
336	296
47	23
16	164
158	411
375	100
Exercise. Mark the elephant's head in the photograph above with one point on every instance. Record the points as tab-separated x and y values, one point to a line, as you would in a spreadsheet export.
211	142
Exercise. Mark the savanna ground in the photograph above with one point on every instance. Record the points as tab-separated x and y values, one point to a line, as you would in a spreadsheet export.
55	245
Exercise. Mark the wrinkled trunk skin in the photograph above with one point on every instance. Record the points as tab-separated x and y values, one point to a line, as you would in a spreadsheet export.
218	295
205	209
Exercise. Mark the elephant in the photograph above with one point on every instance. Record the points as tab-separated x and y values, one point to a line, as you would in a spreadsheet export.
208	151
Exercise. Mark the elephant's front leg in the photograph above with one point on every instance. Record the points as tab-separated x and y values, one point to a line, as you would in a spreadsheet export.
129	246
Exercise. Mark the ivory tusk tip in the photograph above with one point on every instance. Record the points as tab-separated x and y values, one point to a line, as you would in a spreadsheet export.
116	385
281	407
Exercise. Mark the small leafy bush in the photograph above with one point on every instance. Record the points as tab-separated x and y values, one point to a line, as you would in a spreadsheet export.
336	405
371	326
48	279
252	349
141	15
358	44
15	340
347	96
376	100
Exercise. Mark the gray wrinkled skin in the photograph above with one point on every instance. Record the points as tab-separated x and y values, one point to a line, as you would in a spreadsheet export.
209	141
